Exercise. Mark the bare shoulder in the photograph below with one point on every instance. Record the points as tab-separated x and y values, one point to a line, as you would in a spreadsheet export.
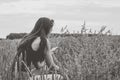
35	43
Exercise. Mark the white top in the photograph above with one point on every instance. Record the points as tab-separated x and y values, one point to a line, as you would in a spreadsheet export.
35	44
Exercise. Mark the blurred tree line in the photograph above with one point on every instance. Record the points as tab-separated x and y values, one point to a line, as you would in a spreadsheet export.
15	35
55	35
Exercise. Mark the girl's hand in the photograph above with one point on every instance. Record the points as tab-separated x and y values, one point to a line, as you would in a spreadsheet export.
53	49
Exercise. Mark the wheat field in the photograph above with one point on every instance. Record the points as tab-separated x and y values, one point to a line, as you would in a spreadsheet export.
85	57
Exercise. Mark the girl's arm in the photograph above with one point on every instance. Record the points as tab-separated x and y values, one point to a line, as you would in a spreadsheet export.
49	58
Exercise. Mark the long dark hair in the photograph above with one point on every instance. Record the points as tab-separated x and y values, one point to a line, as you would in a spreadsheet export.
42	28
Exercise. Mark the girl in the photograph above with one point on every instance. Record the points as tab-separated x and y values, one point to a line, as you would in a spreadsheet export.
35	47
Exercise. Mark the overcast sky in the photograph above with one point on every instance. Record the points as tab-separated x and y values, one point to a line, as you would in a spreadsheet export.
21	15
